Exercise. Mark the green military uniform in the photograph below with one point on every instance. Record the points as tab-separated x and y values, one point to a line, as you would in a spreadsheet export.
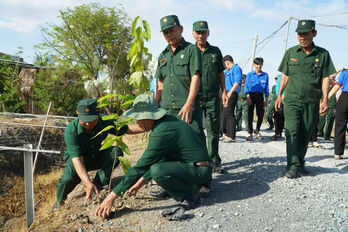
175	69
326	122
171	155
79	143
242	107
270	108
302	94
212	65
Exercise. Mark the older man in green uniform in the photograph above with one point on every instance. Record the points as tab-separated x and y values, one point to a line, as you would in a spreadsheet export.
242	108
175	157
306	68
83	151
212	79
178	70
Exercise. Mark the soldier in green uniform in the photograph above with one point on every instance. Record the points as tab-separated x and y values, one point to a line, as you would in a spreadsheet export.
270	108
178	70
212	78
325	124
175	157
83	151
306	68
242	108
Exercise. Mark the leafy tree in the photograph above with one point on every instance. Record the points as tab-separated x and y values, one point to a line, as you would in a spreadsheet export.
10	98
139	56
93	40
63	87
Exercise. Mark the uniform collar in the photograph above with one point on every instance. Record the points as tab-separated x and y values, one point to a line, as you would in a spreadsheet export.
181	44
314	49
81	129
207	47
254	72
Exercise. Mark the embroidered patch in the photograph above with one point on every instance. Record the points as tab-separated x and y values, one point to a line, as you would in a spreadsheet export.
163	60
293	59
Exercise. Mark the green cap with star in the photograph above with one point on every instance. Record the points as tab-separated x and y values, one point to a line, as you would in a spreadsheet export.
87	110
200	26
169	21
305	26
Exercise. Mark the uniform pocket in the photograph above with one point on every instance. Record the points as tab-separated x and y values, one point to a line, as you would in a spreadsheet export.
293	68
182	67
164	68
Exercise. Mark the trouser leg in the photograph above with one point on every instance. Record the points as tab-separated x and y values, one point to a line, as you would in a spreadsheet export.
341	119
105	163
180	179
212	115
67	181
279	121
300	122
269	114
330	118
250	117
314	136
230	118
321	124
245	114
260	111
239	114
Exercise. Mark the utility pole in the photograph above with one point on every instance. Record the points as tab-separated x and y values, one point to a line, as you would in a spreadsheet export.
253	53
287	35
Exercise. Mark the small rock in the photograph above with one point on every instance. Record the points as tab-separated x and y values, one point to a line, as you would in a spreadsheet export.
216	226
236	214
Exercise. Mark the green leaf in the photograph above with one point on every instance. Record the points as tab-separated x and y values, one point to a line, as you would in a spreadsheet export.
105	129
110	95
135	78
134	24
108	143
106	103
132	51
147	30
126	104
125	164
111	116
122	145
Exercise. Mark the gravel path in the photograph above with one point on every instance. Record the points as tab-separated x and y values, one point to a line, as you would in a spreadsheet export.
255	196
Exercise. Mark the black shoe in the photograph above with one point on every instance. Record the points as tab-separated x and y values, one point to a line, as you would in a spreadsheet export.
191	201
55	206
269	128
219	169
303	170
249	138
327	138
162	194
275	137
292	173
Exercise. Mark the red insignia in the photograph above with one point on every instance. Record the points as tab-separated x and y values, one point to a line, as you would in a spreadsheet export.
163	60
87	110
293	59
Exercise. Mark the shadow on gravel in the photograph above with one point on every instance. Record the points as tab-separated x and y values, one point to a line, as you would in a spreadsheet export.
253	179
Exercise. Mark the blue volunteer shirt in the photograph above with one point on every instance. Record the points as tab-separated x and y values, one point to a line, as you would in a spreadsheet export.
343	80
234	75
278	85
153	85
256	83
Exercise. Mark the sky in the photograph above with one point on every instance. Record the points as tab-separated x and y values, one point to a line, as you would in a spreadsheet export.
233	25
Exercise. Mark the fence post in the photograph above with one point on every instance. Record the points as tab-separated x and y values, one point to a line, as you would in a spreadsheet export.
28	180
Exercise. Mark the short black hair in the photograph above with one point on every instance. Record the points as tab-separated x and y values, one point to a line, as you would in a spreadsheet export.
258	60
228	58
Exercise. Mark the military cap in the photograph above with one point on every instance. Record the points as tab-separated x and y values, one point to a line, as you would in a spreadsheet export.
305	26
145	107
200	26
87	110
169	21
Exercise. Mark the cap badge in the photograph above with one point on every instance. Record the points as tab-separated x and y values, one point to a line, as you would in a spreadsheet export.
87	110
165	20
317	60
182	56
201	23
303	23
213	55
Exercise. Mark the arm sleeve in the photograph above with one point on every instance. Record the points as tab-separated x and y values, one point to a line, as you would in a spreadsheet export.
238	76
329	67
246	86
267	86
283	67
195	60
72	144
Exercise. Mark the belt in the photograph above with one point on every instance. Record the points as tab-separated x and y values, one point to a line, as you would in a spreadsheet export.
242	99
205	163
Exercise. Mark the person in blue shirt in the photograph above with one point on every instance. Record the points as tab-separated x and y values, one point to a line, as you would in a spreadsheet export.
153	86
341	116
256	85
278	115
233	80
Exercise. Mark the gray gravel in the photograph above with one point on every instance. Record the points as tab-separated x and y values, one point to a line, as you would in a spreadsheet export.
255	196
